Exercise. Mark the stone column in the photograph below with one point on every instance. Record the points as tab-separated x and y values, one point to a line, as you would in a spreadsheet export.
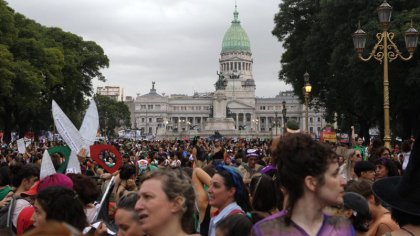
219	105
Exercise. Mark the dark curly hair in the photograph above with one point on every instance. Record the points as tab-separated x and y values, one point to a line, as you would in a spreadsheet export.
62	204
24	172
298	156
127	171
85	187
389	165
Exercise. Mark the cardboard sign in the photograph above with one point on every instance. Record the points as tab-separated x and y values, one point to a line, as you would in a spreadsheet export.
95	151
328	136
343	138
21	145
65	152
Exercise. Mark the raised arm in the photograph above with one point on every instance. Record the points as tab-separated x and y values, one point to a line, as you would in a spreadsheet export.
199	179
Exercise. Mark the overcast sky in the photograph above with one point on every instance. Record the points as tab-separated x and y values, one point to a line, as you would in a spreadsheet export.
175	43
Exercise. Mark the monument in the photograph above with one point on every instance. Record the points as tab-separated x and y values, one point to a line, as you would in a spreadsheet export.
219	121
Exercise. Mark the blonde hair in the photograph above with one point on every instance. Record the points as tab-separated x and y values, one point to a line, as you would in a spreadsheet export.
176	183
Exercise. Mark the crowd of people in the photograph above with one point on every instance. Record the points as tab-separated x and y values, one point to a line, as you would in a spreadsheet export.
291	185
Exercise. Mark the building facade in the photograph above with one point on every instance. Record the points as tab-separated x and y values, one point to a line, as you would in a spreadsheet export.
233	99
113	92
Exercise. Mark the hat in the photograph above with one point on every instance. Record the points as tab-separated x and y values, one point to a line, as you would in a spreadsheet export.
57	179
356	202
252	153
142	164
269	170
24	220
403	192
292	126
32	191
47	166
361	166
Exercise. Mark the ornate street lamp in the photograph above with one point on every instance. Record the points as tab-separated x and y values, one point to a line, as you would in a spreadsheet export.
307	88
385	51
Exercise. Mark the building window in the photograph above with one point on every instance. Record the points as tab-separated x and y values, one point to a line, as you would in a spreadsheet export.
150	119
311	120
319	119
149	107
143	107
311	129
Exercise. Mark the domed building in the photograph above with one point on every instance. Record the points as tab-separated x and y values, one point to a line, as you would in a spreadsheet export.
231	109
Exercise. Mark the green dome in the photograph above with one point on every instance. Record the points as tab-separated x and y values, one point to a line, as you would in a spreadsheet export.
236	39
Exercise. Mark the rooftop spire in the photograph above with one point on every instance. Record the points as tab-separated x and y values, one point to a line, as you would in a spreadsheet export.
235	15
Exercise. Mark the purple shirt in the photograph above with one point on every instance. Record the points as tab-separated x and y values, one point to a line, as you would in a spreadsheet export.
276	225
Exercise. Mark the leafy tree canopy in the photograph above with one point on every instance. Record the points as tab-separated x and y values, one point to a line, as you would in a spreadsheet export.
39	64
112	114
316	35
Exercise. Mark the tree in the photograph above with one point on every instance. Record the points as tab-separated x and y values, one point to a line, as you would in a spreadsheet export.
112	114
317	38
39	64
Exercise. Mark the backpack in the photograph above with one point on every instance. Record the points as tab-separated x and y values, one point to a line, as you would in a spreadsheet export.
6	215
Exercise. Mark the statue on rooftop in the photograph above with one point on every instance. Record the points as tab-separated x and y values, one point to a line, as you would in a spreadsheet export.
221	83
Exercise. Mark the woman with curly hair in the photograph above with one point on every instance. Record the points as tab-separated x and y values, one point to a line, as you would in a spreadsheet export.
308	172
60	204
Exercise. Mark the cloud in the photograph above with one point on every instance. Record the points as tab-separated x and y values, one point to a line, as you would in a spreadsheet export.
175	43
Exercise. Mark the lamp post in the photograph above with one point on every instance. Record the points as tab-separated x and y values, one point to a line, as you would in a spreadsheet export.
385	51
307	88
284	111
276	121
